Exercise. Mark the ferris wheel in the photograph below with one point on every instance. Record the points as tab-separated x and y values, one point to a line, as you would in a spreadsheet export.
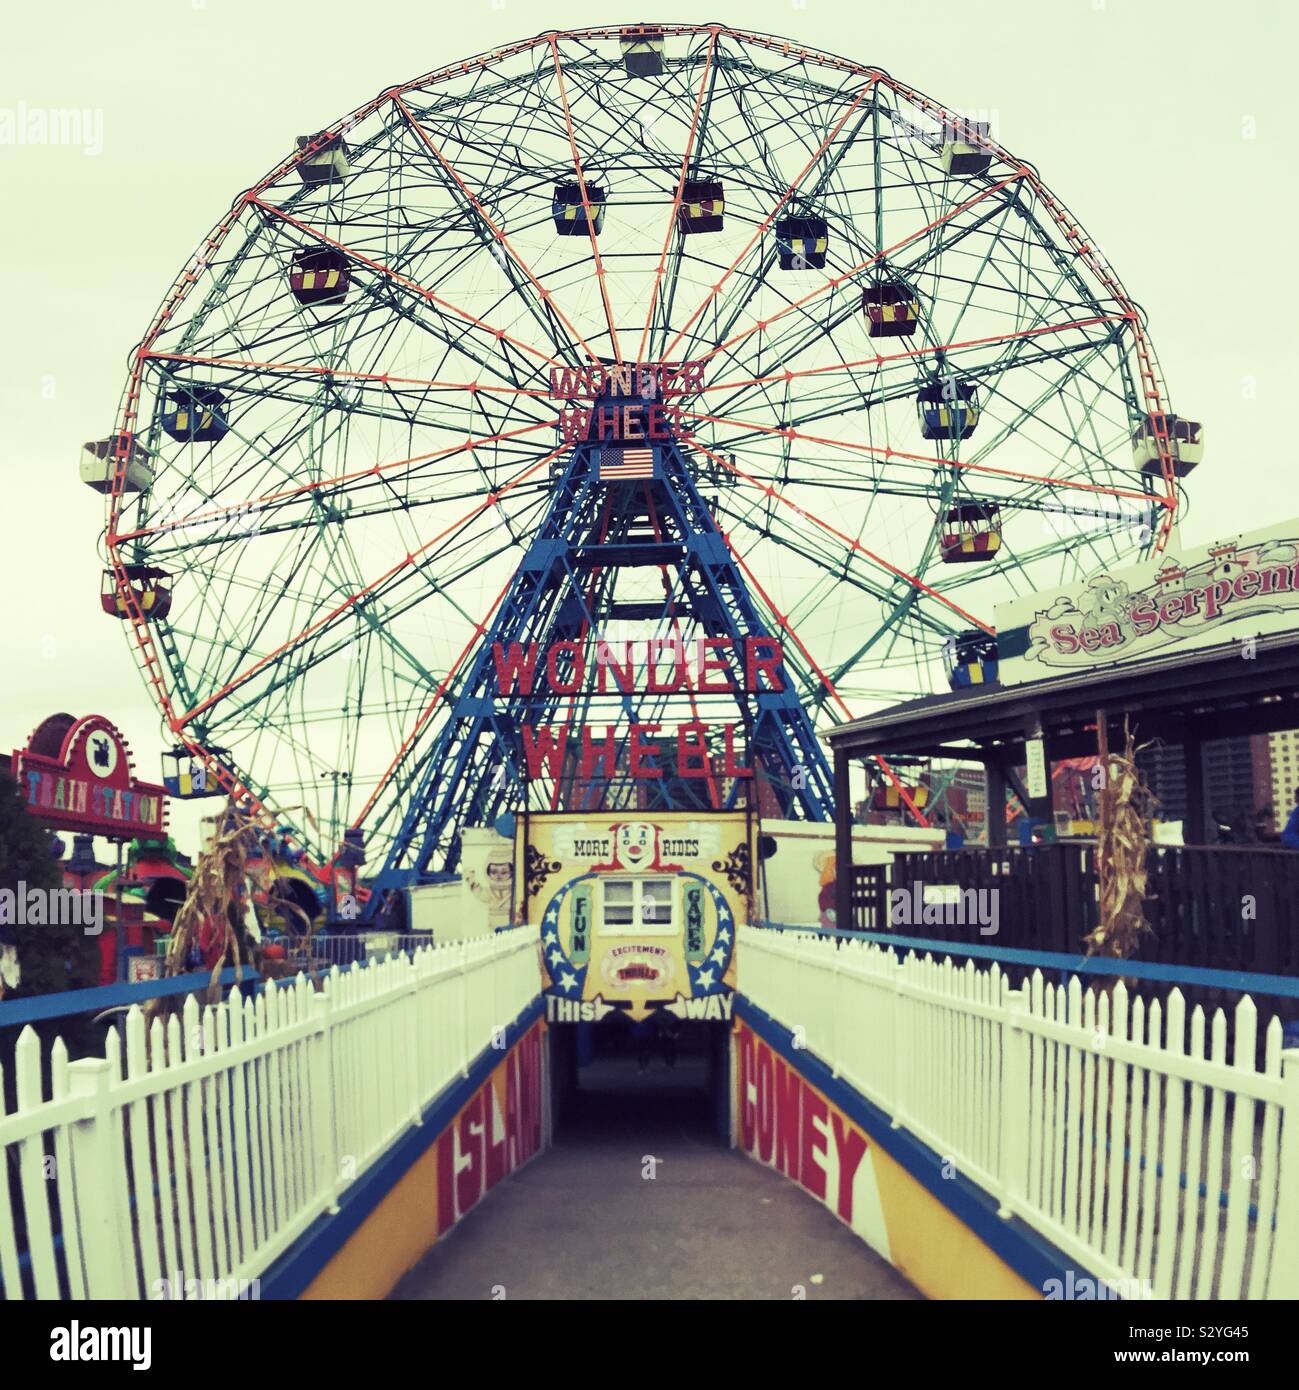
902	383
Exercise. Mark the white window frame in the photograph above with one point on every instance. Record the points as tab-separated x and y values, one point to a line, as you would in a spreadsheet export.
642	886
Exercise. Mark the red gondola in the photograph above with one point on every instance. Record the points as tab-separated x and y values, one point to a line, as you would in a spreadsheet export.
319	277
701	206
971	533
890	311
152	597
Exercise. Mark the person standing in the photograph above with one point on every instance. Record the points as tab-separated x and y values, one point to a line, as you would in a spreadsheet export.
669	1030
1290	835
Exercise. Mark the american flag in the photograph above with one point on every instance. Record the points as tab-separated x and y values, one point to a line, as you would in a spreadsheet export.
618	465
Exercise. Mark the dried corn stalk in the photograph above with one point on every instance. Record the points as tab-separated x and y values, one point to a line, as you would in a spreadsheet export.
1126	804
216	891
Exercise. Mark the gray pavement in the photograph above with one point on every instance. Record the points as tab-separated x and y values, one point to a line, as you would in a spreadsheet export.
583	1222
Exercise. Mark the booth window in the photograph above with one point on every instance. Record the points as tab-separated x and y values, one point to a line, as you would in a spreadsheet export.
638	906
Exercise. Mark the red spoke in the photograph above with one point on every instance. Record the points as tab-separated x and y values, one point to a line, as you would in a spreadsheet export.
788	432
243	677
787	626
498	333
374	471
915	354
676	199
586	203
426	714
784	198
855	546
501	239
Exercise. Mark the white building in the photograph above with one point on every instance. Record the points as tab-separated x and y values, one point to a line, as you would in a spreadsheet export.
1283	751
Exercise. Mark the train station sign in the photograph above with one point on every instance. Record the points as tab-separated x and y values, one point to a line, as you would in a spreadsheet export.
76	775
1189	597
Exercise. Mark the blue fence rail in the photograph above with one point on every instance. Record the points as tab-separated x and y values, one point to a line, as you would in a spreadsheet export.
1242	981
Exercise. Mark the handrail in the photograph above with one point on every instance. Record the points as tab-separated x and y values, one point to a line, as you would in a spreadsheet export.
1250	982
65	1003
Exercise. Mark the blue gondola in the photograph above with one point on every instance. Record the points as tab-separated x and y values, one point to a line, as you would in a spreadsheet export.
971	659
948	409
569	211
195	415
187	777
802	242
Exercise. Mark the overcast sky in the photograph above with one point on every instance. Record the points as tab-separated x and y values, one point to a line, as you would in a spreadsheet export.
1168	128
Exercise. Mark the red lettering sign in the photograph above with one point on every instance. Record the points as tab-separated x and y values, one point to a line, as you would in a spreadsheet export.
490	1138
786	1122
76	774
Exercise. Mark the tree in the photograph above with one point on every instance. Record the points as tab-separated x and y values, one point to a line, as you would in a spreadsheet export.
52	955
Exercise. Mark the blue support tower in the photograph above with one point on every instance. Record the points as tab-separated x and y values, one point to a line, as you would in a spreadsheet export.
607	516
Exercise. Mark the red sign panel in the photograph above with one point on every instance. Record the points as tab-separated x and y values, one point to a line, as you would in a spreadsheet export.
76	775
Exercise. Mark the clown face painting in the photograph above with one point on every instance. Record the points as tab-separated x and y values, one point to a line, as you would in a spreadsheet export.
636	846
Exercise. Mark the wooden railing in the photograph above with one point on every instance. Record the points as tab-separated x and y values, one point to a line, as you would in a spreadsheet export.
1222	907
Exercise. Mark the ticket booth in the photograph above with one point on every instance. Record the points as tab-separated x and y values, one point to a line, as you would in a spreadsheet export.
636	911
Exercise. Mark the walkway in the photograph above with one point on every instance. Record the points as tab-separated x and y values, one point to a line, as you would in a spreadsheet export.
581	1222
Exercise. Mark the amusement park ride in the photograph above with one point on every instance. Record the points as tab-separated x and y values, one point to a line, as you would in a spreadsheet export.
607	338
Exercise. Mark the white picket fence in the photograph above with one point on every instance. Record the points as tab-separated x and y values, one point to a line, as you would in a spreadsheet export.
1136	1147
199	1158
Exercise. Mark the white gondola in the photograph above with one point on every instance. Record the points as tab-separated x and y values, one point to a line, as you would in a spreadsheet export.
99	464
963	149
1185	445
326	164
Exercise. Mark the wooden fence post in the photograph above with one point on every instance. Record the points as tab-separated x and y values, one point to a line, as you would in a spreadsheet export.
1013	1176
901	1037
1284	1281
325	1097
414	1061
107	1242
